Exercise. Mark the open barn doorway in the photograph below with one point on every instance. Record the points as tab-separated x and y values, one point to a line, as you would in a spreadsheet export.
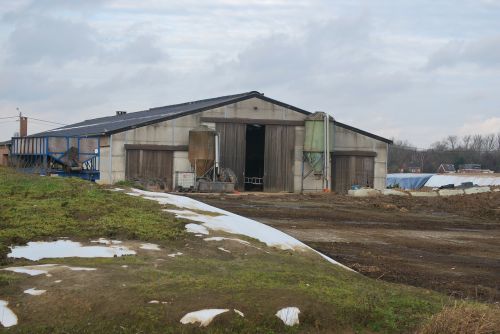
254	162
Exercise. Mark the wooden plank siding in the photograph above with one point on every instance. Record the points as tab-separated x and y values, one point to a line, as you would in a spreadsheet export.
150	167
279	158
349	170
233	149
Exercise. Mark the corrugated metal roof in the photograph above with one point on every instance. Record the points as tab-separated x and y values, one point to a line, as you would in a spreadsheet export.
118	123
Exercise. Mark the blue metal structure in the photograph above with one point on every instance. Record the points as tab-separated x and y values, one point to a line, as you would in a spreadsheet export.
76	156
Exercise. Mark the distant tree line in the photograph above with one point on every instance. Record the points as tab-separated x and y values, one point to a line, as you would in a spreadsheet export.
469	149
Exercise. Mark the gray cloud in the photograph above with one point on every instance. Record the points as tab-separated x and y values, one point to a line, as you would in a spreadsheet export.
395	69
43	38
484	52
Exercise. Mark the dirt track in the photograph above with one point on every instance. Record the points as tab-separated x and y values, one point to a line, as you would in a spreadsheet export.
451	245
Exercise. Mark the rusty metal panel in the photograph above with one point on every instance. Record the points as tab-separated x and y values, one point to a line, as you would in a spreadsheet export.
152	168
352	170
279	158
202	149
233	149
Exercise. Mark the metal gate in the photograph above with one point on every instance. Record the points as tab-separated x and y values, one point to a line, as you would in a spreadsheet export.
279	158
349	170
232	149
150	167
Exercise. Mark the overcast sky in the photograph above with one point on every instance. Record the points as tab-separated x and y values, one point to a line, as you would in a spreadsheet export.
409	69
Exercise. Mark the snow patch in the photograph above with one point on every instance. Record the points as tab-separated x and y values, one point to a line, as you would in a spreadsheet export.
241	314
227	222
289	315
80	268
204	317
195	228
224	250
65	248
105	241
244	242
175	254
150	247
154	302
30	270
7	317
34	292
58	281
35	270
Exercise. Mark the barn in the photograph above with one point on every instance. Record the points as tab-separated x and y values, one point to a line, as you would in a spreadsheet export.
267	144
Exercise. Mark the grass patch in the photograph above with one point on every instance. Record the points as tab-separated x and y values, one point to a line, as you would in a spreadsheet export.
34	207
114	299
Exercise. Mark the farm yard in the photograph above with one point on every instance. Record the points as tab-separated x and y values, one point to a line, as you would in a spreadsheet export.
159	263
447	244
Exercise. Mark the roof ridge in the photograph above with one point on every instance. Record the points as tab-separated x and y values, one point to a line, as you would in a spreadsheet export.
253	92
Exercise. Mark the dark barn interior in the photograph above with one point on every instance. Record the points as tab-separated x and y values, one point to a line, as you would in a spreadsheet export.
254	162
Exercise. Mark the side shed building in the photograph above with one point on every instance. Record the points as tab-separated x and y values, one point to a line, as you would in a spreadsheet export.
259	136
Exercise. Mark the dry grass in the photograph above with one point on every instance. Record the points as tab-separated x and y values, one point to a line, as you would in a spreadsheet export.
464	319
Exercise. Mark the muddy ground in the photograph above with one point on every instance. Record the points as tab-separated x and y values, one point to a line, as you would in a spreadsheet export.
451	245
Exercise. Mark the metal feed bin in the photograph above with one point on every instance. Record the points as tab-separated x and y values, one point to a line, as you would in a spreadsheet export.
314	140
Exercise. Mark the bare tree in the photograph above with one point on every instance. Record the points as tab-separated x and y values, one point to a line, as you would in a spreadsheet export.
466	140
452	141
440	146
477	143
489	142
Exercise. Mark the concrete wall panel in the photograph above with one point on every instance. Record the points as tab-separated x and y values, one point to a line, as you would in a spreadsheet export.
176	132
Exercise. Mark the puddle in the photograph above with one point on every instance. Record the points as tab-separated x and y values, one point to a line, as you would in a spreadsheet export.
289	315
204	317
34	292
150	247
65	248
7	317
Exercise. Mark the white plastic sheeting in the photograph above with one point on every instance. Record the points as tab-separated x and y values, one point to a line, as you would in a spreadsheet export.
289	315
437	181
204	317
7	317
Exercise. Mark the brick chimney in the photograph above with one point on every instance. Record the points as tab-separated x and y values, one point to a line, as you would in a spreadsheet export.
23	126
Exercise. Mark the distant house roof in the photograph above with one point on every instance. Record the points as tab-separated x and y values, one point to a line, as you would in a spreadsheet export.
470	166
125	121
447	167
